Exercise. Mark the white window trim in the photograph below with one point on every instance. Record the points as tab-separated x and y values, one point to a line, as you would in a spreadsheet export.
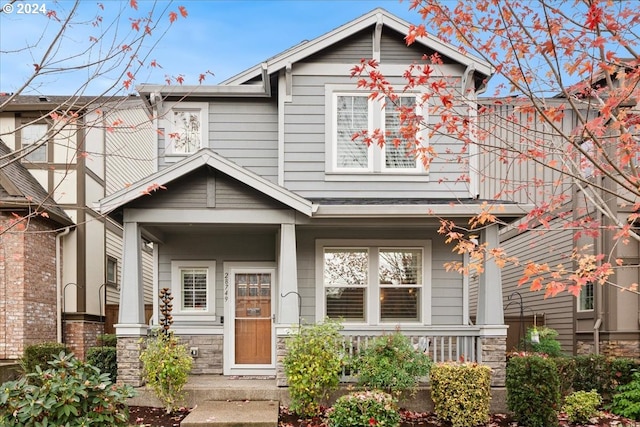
176	290
582	298
372	309
376	170
167	124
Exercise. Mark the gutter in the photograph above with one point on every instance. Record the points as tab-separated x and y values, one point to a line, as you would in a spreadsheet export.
59	299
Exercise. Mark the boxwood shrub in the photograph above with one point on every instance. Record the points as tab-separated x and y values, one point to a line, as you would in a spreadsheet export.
39	355
533	390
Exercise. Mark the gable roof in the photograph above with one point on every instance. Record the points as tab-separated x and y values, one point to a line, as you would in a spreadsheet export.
253	82
20	190
201	158
376	16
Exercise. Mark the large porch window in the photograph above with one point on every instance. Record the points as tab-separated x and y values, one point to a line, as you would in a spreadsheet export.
374	283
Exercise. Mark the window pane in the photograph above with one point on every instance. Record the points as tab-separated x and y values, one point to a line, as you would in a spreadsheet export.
345	267
194	289
401	156
112	270
346	303
586	297
35	134
345	280
400	266
185	135
399	303
352	116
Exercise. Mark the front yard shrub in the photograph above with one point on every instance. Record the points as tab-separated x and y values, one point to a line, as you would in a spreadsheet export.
580	406
619	372
107	340
590	373
313	365
70	393
461	393
364	408
40	355
566	367
166	366
391	363
548	344
626	399
533	390
105	359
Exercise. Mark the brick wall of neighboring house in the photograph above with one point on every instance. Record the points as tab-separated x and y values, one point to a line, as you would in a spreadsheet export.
27	285
617	348
81	335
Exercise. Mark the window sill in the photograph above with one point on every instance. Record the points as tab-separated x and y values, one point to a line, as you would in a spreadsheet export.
377	176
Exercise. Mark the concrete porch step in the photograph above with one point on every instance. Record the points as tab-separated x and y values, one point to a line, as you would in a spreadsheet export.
252	413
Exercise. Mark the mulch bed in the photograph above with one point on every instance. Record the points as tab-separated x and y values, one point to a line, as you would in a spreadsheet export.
157	417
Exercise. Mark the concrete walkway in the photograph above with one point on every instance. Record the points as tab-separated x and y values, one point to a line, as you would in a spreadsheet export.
233	414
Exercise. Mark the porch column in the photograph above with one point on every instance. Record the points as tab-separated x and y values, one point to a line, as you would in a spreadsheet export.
489	309
131	325
288	277
288	309
490	313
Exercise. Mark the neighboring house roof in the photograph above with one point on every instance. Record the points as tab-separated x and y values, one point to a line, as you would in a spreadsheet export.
20	190
201	158
242	84
10	102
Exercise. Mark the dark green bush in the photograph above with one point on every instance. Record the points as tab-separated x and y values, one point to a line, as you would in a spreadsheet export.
461	393
70	393
391	363
104	358
590	373
533	390
39	355
619	371
581	406
313	365
107	340
548	344
365	408
626	399
566	367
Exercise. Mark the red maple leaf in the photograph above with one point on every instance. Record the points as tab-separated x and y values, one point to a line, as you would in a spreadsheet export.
183	11
172	17
133	4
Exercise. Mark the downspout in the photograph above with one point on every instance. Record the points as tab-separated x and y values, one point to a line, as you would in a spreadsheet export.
598	296
59	237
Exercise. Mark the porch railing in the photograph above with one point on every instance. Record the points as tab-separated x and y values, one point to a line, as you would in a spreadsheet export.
461	344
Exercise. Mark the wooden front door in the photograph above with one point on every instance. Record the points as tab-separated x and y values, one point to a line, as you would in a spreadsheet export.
253	292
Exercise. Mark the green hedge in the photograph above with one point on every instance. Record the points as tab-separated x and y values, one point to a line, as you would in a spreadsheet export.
533	390
40	355
104	358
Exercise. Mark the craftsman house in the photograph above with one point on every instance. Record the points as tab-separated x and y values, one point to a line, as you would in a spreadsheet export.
264	212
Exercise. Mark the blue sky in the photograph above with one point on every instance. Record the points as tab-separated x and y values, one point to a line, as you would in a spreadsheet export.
221	36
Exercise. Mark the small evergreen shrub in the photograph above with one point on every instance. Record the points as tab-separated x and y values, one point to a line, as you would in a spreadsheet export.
533	390
391	363
105	359
166	366
365	408
626	399
313	365
107	340
580	406
619	372
566	367
548	344
590	373
461	393
40	355
70	393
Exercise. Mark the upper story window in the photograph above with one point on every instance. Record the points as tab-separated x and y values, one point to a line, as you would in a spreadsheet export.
34	134
585	301
355	112
188	129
